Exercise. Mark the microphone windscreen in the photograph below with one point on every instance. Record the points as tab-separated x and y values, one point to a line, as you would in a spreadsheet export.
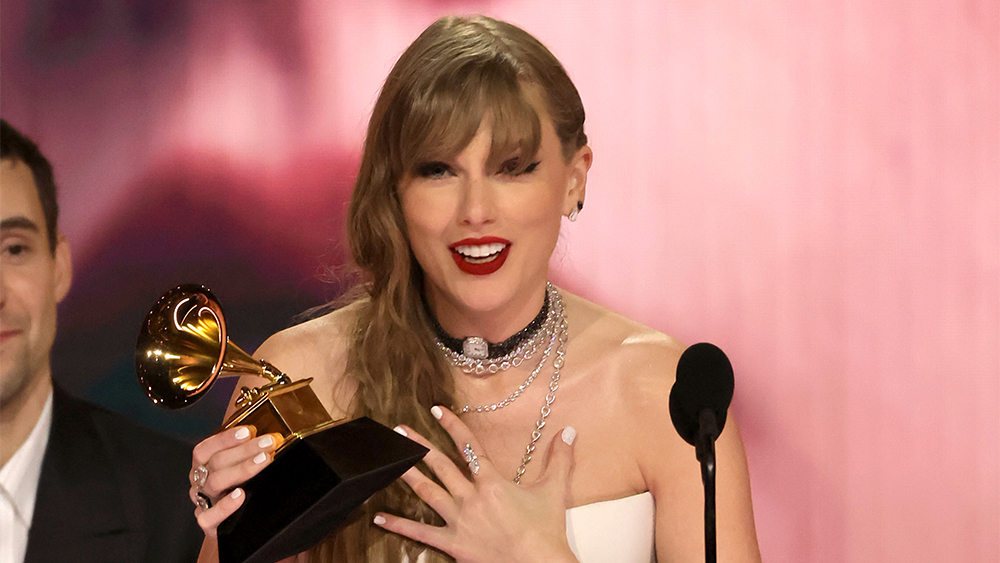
704	381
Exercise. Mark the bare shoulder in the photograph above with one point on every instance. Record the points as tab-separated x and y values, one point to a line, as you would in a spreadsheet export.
298	350
318	349
639	358
619	388
630	366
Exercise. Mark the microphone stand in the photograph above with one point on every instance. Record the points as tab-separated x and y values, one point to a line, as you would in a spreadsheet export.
704	450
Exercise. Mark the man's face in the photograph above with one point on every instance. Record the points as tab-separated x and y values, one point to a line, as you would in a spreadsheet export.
32	282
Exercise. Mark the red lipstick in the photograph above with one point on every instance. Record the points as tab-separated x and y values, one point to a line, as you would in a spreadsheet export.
477	268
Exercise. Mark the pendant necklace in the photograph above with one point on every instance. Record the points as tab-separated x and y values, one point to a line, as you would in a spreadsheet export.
476	355
553	336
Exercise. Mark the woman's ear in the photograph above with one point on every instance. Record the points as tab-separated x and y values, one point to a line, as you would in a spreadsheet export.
576	182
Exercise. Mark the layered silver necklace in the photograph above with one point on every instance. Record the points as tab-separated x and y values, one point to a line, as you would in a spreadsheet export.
557	365
553	332
474	355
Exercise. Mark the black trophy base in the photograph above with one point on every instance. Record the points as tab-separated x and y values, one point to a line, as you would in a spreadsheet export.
311	487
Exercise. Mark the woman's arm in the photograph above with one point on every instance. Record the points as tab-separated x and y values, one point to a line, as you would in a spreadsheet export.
233	458
680	502
673	475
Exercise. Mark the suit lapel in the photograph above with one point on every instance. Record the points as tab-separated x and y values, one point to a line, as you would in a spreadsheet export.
83	510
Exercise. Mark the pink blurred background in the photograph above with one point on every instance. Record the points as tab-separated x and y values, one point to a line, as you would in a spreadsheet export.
813	186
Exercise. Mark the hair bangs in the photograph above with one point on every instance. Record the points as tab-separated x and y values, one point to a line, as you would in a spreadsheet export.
516	132
446	117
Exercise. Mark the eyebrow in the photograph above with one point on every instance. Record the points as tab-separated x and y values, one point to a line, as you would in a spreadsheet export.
19	222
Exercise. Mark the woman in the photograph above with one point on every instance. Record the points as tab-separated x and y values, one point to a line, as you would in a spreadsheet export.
548	427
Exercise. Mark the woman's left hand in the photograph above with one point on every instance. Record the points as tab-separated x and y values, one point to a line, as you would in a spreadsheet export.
489	518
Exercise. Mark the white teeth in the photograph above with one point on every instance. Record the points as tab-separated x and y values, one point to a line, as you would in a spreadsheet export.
479	250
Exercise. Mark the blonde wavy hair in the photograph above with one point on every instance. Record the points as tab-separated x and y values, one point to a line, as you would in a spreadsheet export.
456	73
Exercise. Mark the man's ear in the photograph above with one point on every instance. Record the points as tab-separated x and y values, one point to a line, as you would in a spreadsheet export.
576	183
64	267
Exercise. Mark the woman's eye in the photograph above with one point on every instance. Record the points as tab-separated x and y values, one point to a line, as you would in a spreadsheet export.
510	167
433	170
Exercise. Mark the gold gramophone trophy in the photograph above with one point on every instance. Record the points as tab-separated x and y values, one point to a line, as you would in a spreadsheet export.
322	471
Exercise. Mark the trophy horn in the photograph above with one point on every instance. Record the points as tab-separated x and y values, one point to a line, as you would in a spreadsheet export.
183	348
323	469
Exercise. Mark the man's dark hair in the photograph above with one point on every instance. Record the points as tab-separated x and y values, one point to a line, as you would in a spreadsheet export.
14	145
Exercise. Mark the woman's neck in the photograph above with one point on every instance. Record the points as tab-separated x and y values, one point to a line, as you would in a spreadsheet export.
495	325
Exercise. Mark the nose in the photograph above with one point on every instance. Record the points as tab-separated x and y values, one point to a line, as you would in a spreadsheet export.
478	201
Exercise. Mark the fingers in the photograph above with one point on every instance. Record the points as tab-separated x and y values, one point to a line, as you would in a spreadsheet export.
250	448
222	441
433	494
228	468
440	464
465	441
220	481
438	538
559	461
224	461
210	519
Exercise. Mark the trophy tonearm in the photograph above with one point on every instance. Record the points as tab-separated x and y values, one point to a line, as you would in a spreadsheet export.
183	348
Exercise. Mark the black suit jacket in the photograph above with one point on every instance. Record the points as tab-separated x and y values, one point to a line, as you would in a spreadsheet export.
111	491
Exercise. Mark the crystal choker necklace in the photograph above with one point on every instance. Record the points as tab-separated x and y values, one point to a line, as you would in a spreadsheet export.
552	338
474	354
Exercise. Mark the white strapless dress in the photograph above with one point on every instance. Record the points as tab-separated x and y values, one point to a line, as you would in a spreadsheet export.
612	531
619	531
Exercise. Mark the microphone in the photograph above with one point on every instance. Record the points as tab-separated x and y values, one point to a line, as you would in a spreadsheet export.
704	382
699	401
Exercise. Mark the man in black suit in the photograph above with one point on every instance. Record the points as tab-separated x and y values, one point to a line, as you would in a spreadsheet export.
77	482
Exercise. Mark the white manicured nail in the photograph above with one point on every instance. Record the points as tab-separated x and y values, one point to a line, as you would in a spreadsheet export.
568	435
242	433
237	493
379	519
266	441
436	411
400	430
260	458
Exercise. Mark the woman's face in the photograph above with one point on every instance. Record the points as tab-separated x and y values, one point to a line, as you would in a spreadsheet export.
483	237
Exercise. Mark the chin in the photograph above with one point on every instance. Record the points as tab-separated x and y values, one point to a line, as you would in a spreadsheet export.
492	293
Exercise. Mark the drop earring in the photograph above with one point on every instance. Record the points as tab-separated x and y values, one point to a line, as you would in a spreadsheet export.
576	212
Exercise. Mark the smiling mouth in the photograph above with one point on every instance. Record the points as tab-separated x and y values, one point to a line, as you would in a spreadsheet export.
480	253
480	256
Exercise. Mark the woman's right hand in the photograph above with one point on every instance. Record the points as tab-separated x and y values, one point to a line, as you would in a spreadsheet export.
229	458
